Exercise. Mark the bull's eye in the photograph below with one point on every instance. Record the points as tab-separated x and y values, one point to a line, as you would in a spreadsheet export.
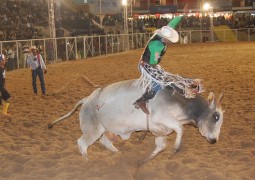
216	116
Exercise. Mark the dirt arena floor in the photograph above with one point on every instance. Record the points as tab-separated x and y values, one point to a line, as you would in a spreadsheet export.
30	151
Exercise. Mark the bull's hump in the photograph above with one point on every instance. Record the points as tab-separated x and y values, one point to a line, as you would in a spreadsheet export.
192	108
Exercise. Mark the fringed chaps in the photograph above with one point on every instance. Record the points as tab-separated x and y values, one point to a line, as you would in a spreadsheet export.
149	74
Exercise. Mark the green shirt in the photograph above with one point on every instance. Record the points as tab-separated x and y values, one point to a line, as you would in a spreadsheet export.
156	48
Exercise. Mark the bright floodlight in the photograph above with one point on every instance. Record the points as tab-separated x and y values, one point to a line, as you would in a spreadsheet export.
206	6
124	2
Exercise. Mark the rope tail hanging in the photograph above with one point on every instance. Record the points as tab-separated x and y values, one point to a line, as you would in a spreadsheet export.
184	86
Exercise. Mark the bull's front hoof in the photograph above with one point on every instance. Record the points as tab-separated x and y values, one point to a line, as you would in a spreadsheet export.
140	162
85	156
174	152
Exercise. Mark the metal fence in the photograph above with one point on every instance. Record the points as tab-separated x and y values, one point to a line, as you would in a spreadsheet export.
224	35
82	47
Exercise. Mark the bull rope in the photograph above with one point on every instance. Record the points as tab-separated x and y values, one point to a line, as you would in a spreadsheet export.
150	74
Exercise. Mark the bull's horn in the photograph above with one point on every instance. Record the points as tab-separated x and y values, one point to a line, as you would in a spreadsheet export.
219	99
210	100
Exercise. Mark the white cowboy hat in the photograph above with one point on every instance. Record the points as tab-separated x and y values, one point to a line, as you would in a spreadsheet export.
33	47
168	33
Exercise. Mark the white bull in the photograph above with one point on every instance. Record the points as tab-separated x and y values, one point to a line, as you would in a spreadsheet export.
110	109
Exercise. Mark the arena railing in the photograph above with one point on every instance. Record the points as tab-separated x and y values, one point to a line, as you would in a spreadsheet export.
82	47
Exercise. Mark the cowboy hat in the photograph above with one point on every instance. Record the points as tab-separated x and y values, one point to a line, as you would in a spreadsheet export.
168	33
33	47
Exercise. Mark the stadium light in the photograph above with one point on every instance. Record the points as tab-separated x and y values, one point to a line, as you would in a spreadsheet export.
208	7
124	2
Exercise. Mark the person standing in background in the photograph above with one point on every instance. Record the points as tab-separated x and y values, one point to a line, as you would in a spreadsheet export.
37	65
5	95
11	59
26	51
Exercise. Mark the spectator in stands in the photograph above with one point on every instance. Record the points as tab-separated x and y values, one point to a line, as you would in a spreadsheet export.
36	63
1	35
110	32
16	19
36	33
40	33
12	35
117	31
4	94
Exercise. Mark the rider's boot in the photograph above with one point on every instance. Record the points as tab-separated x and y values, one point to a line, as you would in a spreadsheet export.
141	102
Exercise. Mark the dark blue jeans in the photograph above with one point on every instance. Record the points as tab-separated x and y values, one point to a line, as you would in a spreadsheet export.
38	72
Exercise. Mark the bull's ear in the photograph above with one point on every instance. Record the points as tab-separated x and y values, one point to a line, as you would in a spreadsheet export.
218	104
210	100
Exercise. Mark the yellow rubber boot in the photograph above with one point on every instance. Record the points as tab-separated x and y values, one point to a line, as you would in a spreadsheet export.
5	108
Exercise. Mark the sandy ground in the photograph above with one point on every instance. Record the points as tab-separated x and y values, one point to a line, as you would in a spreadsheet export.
30	151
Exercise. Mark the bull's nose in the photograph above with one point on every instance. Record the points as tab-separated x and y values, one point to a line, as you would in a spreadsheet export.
213	141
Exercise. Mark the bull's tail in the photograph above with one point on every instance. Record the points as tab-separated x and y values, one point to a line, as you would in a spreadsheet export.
78	104
50	125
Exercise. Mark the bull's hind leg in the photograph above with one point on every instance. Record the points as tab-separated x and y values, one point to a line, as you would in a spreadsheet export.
83	146
88	139
107	143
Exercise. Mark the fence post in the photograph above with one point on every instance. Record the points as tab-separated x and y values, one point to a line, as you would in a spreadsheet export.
123	42
17	54
190	35
56	49
249	35
84	47
236	34
118	42
106	44
224	35
76	52
66	41
112	43
136	40
44	51
201	37
128	42
92	48
99	45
